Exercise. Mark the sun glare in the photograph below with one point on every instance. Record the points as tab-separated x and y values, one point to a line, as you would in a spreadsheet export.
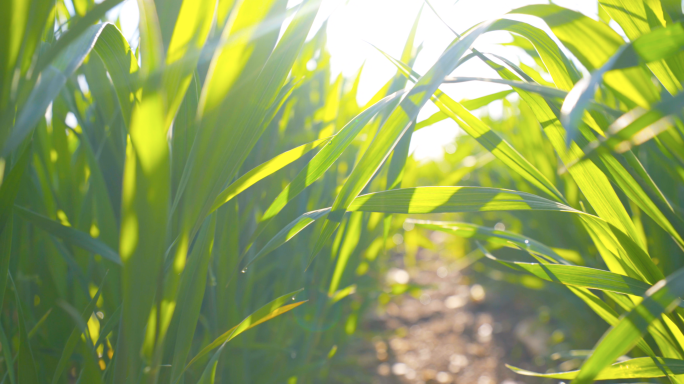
353	25
356	24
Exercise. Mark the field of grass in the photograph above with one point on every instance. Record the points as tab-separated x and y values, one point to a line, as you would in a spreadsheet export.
158	203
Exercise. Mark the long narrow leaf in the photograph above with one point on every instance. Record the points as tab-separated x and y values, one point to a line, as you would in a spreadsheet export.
269	311
639	368
69	234
663	297
265	169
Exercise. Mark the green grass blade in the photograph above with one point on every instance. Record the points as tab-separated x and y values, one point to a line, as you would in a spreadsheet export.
351	240
39	323
90	372
639	260
606	312
563	73
579	276
35	34
469	104
192	28
287	233
661	298
192	287
182	137
151	46
5	254
52	79
122	66
267	312
453	199
503	238
143	229
7	354
530	87
69	234
79	26
108	326
10	186
26	365
266	169
659	44
8	192
104	215
342	293
641	193
12	29
639	368
395	172
75	336
144	207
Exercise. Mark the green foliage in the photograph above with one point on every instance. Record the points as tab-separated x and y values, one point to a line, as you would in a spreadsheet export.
170	220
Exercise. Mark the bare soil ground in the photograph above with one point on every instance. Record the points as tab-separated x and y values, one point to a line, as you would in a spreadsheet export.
455	331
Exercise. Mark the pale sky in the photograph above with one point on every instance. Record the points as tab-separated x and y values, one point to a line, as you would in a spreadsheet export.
386	24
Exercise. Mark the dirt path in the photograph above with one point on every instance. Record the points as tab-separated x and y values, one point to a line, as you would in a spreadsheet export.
456	331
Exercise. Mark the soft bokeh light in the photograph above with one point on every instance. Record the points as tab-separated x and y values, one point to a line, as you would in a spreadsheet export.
387	23
353	25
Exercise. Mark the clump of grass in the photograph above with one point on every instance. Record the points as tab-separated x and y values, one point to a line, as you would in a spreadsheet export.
156	211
